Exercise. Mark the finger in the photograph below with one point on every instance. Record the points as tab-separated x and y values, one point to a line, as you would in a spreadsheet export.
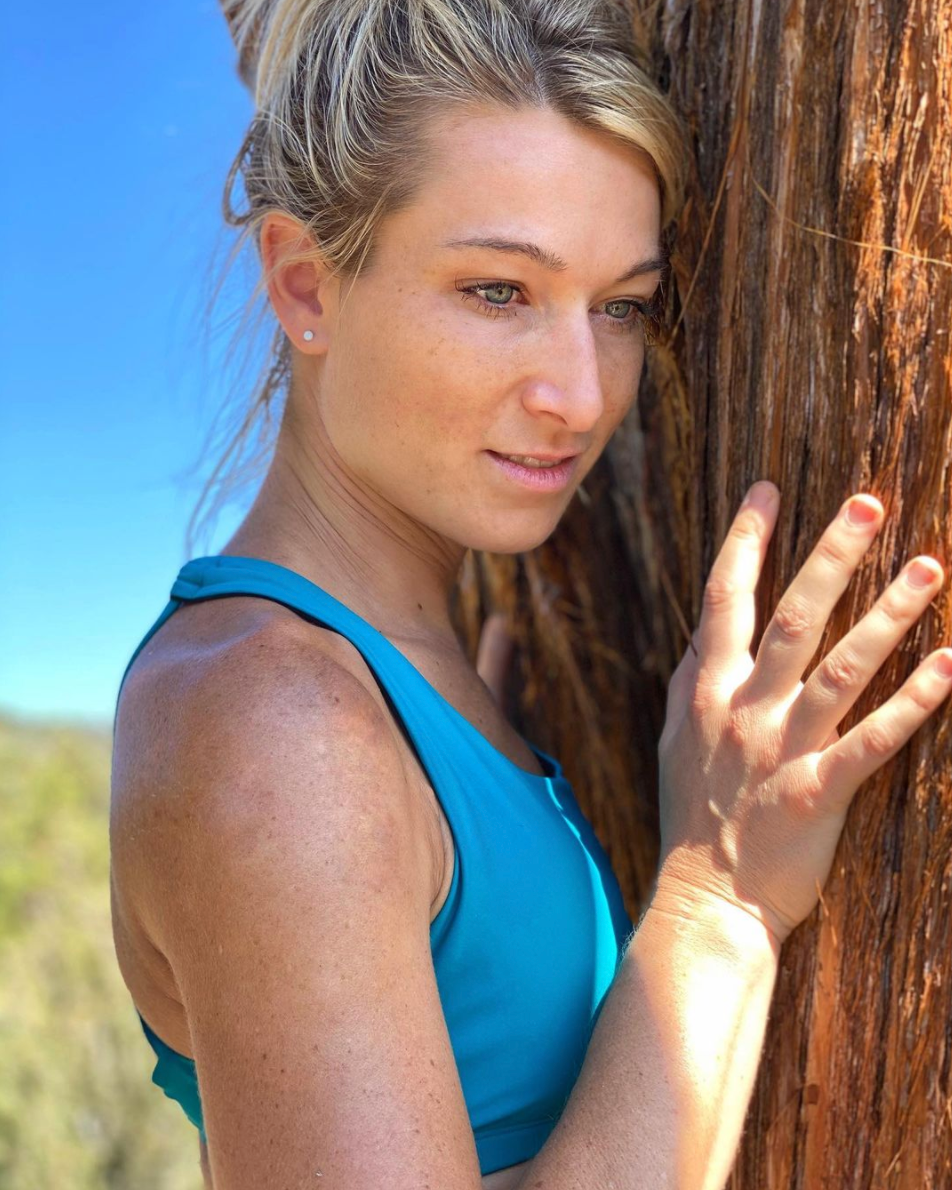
791	638
846	671
685	673
845	765
494	655
728	611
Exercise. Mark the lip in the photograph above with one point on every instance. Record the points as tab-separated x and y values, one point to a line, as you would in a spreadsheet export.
545	456
537	479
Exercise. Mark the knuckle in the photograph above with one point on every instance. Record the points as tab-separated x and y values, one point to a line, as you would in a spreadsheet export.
793	620
718	591
703	699
737	729
917	695
839	673
747	527
894	609
878	740
807	792
831	548
744	720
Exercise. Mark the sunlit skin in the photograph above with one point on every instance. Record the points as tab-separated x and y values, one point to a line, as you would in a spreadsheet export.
380	481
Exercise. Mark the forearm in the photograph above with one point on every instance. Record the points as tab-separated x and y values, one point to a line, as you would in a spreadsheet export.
663	1092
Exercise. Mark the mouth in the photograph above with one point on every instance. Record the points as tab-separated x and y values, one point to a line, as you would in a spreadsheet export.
552	478
540	455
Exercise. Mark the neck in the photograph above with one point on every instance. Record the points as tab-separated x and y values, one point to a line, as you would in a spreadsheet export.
314	516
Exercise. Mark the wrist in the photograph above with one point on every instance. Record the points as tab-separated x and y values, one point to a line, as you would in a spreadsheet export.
712	923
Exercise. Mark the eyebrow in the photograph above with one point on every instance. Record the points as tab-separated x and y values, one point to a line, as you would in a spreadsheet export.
549	260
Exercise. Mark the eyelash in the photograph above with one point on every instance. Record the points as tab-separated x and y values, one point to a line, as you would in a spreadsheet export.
648	313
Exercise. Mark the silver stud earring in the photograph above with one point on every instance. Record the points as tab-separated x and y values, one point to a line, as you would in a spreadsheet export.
307	336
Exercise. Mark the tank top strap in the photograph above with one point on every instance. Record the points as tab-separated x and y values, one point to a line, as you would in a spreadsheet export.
444	739
527	941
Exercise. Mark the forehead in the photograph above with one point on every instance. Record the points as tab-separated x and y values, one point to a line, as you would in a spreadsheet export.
533	174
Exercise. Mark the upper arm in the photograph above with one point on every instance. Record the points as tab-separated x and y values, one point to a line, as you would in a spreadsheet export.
289	881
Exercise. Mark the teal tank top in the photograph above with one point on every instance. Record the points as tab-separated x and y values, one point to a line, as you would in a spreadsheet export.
534	926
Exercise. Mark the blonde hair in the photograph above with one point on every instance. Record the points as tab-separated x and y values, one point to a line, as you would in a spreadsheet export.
345	91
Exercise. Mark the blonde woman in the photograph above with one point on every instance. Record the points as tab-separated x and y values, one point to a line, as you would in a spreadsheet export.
371	938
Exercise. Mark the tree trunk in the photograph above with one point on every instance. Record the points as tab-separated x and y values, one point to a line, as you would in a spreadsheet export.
808	342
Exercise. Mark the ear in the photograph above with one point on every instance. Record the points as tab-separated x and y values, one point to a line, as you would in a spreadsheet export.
298	289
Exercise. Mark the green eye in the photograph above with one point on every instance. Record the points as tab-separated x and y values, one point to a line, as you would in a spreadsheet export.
498	285
640	313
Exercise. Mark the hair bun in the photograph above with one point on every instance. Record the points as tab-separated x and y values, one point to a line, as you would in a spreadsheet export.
246	19
269	36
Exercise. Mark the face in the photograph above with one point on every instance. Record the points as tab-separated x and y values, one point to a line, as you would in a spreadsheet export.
445	352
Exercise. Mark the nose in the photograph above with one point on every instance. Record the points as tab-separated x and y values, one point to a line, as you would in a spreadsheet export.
567	382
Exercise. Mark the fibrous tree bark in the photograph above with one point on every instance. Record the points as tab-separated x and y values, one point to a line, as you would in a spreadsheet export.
807	342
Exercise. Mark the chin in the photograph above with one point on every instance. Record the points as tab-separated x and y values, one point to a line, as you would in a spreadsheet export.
513	539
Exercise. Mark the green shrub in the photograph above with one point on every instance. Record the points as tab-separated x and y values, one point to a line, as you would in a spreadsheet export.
77	1107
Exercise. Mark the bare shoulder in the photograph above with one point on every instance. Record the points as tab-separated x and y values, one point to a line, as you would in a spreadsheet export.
246	726
266	826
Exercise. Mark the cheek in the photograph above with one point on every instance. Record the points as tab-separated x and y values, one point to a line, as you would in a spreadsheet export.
411	343
443	386
416	400
382	370
621	381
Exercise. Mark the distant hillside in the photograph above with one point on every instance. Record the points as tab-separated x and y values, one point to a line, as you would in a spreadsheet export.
77	1107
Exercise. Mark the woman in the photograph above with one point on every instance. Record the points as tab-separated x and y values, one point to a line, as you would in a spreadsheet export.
367	929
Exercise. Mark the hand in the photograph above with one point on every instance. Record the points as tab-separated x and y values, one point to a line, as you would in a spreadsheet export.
755	782
494	656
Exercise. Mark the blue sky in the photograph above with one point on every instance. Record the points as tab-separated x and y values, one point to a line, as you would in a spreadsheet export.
122	120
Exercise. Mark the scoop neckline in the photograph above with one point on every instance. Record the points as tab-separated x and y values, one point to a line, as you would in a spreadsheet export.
244	560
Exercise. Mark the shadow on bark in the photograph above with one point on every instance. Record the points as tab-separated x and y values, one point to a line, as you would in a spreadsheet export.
807	341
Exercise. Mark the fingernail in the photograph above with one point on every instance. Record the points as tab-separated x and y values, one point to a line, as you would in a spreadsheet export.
922	574
858	512
943	664
759	495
